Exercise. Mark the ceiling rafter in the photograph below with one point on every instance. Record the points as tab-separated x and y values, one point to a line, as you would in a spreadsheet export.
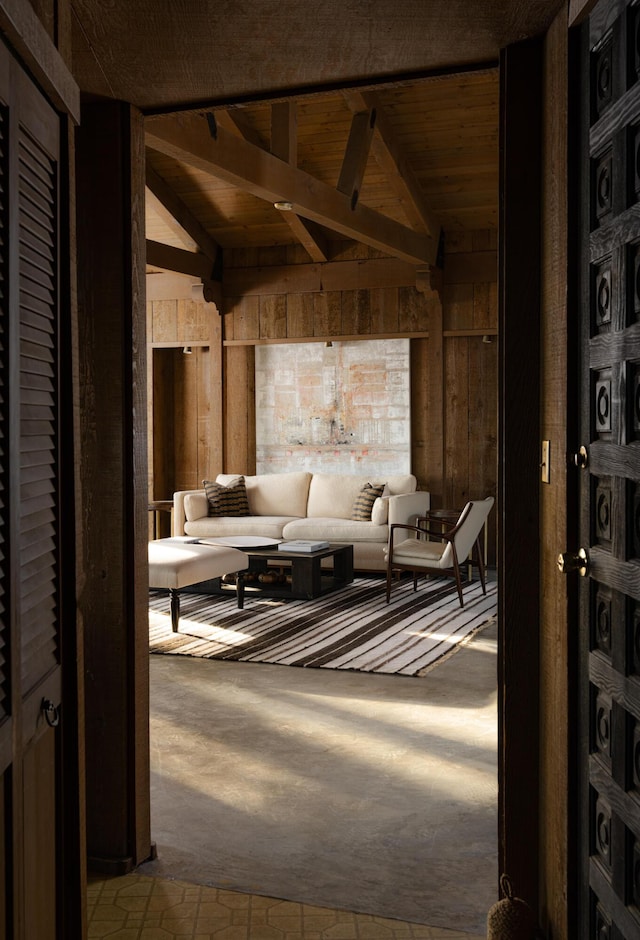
170	258
236	122
284	131
356	154
284	144
231	158
179	217
310	236
393	163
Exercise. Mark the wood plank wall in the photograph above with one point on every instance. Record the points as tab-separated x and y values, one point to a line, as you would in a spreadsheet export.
275	295
184	392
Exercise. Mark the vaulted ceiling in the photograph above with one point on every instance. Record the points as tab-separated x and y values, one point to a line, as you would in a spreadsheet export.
370	120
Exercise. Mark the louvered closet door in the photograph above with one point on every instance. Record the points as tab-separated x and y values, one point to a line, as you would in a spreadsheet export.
609	303
29	523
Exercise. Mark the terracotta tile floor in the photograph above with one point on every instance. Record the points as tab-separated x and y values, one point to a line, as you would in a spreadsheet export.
138	907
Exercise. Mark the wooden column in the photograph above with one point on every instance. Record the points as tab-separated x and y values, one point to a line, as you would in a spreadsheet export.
557	658
519	464
434	388
113	478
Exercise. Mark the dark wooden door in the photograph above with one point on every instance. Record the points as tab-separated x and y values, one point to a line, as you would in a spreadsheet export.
30	597
609	486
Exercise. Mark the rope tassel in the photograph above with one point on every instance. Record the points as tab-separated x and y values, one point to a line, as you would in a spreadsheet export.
511	918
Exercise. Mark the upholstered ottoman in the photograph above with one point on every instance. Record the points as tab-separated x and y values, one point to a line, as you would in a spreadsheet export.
176	563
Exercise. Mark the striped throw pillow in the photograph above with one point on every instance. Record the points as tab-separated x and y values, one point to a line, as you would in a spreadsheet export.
227	500
365	499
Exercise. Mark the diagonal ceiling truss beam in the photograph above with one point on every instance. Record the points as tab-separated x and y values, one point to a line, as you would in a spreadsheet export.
356	154
235	121
392	161
177	212
186	138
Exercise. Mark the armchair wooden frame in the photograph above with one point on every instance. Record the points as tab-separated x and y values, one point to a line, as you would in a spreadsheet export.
439	551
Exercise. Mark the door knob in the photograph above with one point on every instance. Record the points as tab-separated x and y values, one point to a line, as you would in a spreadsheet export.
574	561
581	459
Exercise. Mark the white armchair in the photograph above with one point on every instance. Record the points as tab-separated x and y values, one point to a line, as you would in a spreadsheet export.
430	551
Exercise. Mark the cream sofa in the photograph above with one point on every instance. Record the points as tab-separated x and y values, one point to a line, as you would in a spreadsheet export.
304	505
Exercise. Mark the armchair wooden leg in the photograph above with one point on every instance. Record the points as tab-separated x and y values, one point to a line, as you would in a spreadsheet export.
481	571
456	570
388	582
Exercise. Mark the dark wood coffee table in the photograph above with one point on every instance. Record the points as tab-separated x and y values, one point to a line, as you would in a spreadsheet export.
305	575
309	578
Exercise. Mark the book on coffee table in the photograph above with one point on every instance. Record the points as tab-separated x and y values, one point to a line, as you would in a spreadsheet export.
302	545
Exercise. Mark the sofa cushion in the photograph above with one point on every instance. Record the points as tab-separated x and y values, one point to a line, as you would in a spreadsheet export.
217	526
227	500
332	495
275	494
364	501
196	505
335	530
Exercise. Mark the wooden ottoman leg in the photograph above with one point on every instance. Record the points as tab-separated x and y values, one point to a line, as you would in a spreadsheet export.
175	608
240	588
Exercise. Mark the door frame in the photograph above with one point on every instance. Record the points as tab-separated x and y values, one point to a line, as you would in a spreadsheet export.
519	274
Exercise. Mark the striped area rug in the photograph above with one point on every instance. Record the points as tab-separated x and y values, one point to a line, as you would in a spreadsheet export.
353	628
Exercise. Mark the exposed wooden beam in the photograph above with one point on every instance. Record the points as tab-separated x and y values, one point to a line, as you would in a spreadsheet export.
186	138
235	121
169	258
169	220
284	131
310	236
356	155
168	285
284	145
310	278
326	338
393	163
179	217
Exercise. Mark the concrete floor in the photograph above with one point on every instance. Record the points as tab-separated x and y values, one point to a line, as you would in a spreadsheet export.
367	793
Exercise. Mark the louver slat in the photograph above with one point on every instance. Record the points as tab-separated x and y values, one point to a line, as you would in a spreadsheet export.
38	413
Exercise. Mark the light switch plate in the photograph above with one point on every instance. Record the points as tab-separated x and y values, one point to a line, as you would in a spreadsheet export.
545	462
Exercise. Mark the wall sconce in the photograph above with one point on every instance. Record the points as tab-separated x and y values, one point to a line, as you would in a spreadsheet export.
187	350
487	339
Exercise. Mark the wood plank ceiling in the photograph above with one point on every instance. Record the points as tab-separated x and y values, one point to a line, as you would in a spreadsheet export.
389	137
389	168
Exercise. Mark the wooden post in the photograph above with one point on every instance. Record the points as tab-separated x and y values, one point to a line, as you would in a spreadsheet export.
113	471
433	430
518	465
